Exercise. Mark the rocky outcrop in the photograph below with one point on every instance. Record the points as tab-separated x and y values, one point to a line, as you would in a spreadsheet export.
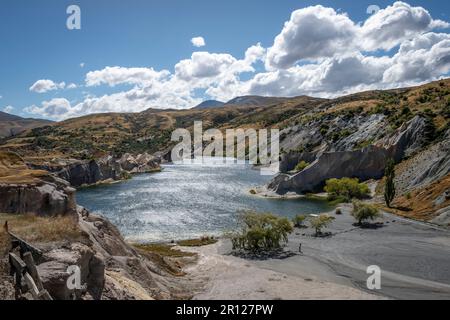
57	269
367	163
426	167
290	160
406	141
49	197
89	172
142	163
128	274
443	217
81	173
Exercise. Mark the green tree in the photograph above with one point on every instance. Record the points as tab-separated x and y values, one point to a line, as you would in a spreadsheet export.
299	220
389	187
320	222
261	232
345	189
363	212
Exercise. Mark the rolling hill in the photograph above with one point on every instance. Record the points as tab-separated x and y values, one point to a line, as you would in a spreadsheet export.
11	125
209	104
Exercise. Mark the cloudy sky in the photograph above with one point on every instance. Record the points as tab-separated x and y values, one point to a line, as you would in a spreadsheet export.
132	55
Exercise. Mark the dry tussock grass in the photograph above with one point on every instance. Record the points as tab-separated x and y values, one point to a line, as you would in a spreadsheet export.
38	229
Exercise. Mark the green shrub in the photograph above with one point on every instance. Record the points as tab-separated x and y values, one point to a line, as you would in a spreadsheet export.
261	231
363	212
345	189
320	222
299	221
302	165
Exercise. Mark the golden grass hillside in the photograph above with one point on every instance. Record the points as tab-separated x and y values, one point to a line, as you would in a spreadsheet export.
14	170
150	131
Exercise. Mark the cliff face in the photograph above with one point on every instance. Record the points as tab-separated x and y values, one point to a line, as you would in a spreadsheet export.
366	163
32	191
79	173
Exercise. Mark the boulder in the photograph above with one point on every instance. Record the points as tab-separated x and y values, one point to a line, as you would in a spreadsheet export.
55	271
443	217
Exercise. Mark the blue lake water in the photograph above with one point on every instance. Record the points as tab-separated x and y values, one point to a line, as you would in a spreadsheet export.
187	201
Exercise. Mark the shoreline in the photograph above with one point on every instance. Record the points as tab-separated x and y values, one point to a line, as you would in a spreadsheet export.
334	267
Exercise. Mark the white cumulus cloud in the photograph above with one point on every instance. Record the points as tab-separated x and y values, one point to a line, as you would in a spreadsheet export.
45	85
113	76
198	42
57	108
8	109
399	22
319	52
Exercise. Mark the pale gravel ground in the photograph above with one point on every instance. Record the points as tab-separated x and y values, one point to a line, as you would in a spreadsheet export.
232	278
414	259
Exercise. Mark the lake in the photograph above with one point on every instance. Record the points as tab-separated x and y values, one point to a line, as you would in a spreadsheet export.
187	201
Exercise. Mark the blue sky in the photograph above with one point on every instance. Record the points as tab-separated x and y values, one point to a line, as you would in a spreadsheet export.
152	34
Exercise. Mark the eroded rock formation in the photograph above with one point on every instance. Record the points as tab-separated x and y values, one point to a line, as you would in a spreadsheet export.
366	163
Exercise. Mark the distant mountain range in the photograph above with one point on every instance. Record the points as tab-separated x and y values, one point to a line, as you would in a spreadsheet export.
11	125
209	104
240	102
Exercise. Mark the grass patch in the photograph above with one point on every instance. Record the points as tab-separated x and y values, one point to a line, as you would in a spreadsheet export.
38	229
163	250
203	241
302	165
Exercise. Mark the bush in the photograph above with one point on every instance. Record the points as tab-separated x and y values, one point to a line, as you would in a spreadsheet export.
261	231
299	221
320	222
363	212
345	189
302	165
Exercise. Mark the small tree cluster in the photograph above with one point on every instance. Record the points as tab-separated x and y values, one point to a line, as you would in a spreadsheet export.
345	189
261	231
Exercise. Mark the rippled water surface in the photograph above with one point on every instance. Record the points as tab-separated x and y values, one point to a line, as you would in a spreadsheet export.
186	201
